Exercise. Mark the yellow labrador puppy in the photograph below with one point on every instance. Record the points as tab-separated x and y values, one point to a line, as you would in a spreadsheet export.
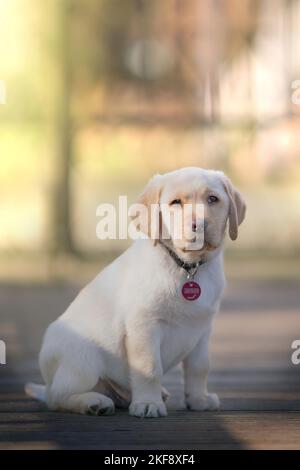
149	310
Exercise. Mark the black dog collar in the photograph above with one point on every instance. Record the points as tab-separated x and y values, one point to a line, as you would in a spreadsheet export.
190	268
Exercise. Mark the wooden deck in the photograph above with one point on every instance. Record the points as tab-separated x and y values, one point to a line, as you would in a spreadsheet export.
251	370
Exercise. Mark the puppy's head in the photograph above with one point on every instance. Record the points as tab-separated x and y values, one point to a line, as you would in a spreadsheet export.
193	206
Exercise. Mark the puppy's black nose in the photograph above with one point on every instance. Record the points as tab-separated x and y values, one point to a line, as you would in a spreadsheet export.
201	225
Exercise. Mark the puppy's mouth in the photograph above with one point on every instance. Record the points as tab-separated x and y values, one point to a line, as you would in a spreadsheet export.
206	247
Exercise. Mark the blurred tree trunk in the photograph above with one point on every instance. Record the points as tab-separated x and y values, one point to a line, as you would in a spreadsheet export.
63	129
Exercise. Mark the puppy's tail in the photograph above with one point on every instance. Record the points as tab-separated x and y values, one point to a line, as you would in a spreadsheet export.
36	391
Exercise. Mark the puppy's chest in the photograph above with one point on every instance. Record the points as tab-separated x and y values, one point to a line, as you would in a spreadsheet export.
177	304
185	321
178	339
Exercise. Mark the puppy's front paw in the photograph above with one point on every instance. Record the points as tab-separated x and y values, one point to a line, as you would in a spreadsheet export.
208	402
148	410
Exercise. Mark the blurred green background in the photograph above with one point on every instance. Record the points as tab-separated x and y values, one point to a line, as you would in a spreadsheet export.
101	94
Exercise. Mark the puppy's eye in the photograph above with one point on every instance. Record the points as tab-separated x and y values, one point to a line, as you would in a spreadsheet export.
175	202
212	199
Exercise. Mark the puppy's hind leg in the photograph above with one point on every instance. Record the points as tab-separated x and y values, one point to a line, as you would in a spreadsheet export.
71	390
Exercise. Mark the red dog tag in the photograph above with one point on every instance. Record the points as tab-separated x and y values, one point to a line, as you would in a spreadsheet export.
191	290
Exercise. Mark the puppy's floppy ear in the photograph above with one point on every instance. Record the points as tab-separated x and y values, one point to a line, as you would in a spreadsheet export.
237	207
149	220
